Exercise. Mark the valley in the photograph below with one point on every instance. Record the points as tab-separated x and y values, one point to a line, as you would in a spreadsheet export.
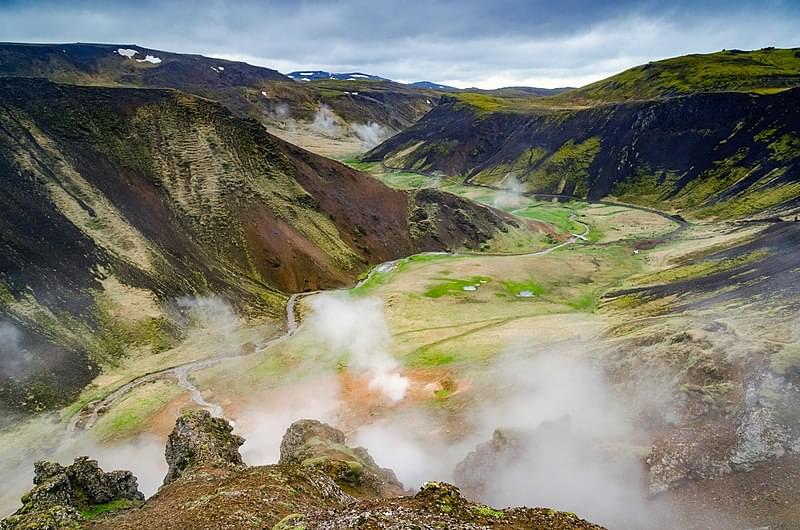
585	299
457	323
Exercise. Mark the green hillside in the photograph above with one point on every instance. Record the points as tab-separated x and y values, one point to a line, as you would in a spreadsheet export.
760	71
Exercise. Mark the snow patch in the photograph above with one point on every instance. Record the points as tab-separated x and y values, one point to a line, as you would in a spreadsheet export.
358	75
470	288
264	94
221	68
306	73
127	52
152	59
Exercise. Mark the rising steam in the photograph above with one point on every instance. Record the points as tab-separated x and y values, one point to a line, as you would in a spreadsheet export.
355	329
12	356
326	122
511	196
371	134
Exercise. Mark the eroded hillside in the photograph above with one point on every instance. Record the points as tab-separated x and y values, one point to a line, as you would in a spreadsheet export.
117	201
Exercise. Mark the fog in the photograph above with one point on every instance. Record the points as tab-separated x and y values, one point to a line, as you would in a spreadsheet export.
45	438
12	355
327	123
511	196
371	134
573	434
575	445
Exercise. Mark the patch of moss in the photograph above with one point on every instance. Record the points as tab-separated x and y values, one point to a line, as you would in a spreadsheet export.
646	186
486	511
786	360
566	170
292	521
99	509
698	270
515	287
425	358
785	148
454	287
754	200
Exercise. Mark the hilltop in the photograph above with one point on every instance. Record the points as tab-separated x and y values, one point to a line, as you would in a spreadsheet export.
762	71
715	135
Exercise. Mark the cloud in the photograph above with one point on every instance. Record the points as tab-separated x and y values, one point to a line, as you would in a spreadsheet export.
485	44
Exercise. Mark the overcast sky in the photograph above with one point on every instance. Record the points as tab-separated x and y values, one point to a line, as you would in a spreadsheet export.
484	43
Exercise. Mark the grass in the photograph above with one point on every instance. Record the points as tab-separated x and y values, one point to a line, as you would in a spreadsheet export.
97	510
768	70
378	279
515	287
786	360
559	217
698	270
585	302
486	511
131	415
451	287
425	358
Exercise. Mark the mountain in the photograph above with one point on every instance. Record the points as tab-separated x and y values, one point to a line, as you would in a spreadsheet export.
116	201
248	91
519	91
712	153
429	85
319	75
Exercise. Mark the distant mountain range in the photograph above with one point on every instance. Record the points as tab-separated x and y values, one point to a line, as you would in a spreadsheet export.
320	75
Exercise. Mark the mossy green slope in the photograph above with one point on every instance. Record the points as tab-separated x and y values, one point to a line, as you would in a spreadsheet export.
760	71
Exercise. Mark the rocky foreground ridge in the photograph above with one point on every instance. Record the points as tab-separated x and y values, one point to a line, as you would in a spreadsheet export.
319	482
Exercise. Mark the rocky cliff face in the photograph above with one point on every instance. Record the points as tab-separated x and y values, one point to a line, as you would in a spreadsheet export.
297	493
120	198
726	155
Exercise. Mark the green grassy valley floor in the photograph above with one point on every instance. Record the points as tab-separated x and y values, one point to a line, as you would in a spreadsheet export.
451	321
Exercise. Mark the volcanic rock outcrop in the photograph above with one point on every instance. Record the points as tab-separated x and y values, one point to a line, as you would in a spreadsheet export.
61	492
312	443
200	439
208	486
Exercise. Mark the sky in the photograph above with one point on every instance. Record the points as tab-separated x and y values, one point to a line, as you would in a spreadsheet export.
483	43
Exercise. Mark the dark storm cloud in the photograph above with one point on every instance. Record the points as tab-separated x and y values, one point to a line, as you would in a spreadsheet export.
482	42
